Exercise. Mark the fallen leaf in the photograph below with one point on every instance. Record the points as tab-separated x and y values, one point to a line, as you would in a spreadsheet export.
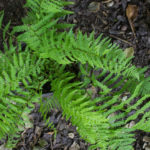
131	13
94	6
50	133
129	52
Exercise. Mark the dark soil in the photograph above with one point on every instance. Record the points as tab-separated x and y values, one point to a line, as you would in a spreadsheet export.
111	20
62	136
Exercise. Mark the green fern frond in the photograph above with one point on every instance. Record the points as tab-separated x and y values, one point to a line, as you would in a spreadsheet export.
19	77
97	53
91	122
47	6
44	36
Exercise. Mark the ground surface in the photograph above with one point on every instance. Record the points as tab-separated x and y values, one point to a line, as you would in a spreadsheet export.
102	16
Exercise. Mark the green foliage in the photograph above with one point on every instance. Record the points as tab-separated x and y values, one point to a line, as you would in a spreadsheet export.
106	94
20	80
102	121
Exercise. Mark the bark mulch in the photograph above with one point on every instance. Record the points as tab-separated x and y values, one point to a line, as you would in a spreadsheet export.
102	16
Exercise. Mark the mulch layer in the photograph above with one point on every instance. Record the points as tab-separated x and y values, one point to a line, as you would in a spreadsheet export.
101	16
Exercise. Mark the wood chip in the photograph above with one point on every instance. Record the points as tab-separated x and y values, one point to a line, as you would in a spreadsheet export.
71	135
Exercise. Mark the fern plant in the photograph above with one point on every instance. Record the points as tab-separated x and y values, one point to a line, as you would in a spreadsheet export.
21	83
100	115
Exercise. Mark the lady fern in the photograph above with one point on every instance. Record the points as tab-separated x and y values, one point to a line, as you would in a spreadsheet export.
101	119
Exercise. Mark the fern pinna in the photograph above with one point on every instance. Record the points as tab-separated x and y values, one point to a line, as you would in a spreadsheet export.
122	92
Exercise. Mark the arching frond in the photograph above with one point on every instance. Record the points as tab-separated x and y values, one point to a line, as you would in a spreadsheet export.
91	120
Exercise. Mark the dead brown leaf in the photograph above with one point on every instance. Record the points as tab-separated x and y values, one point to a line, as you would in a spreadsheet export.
50	133
131	13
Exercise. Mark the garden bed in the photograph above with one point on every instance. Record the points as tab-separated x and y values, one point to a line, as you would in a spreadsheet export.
101	16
